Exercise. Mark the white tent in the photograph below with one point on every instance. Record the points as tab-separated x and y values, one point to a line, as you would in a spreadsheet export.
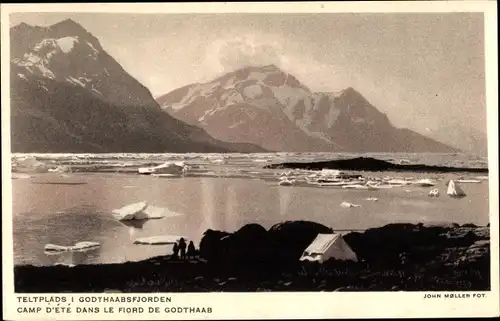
326	246
454	190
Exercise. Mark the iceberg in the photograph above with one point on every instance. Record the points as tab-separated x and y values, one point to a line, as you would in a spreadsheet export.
142	211
85	246
330	172
176	168
434	192
286	182
348	205
356	186
60	169
425	182
158	240
468	181
218	161
78	247
454	190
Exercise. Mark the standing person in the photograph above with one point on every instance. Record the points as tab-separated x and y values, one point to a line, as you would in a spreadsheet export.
175	249
191	253
182	248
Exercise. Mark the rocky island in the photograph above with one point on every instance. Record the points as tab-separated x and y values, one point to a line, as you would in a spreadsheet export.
374	165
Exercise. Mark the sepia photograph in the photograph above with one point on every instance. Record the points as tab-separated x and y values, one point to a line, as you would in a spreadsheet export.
179	152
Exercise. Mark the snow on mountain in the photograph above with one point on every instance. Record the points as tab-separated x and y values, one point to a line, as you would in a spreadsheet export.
253	102
69	95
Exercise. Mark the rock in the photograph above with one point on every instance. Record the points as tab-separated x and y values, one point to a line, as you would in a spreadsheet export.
291	238
249	246
385	245
210	245
469	225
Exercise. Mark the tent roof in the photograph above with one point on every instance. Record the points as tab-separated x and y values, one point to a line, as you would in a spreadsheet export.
322	243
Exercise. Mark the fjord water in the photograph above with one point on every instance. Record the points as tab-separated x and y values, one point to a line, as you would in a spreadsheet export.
48	208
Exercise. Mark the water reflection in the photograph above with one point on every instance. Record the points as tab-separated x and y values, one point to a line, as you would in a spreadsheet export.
285	198
63	215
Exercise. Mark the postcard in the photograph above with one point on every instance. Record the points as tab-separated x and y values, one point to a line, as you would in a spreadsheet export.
250	160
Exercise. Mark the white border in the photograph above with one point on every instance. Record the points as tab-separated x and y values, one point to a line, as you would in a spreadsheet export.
280	305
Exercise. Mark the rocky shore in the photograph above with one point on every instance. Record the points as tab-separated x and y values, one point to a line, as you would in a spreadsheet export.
395	257
374	165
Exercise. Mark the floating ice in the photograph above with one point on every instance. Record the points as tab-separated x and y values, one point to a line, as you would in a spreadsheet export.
434	192
142	211
330	172
425	182
454	190
371	199
177	168
347	205
159	240
60	169
468	181
286	182
482	177
356	186
78	247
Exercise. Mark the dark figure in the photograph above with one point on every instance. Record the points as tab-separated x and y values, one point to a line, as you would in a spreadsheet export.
176	251
191	253
182	248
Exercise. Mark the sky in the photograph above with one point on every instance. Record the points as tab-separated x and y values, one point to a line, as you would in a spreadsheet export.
424	70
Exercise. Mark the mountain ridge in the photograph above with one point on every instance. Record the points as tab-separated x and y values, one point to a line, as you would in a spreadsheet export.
260	99
69	95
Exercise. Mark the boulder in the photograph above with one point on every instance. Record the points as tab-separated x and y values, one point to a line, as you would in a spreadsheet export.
210	245
386	244
291	238
249	246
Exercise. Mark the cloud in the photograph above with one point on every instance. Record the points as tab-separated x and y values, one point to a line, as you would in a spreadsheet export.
229	54
226	55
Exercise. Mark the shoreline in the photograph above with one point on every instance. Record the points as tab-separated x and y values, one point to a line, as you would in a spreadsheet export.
394	257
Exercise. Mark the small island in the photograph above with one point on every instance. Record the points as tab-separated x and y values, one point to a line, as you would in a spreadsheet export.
374	165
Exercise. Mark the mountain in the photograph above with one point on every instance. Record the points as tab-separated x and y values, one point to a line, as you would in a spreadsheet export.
69	95
266	106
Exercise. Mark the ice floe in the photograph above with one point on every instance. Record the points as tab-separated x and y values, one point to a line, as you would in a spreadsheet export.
454	190
78	247
159	240
286	182
60	169
176	168
374	199
424	182
142	211
348	205
434	192
468	181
